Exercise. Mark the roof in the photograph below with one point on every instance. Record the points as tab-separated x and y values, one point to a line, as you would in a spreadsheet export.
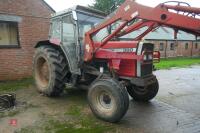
48	5
91	10
163	33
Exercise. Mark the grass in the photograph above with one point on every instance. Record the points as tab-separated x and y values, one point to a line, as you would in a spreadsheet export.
83	125
76	119
10	86
9	113
74	110
79	122
177	62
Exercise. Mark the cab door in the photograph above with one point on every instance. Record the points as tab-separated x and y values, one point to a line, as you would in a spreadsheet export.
70	42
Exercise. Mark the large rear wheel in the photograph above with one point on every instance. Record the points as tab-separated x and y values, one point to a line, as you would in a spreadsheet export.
108	100
50	70
143	94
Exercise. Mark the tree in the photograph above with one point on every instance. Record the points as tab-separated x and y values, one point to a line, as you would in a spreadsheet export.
106	5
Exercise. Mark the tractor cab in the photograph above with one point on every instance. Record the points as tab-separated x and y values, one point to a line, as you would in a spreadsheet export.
68	28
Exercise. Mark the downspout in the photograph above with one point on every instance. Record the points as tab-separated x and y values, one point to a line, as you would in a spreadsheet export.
166	49
192	49
176	47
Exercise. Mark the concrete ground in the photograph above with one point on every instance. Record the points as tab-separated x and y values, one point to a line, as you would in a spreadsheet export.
175	109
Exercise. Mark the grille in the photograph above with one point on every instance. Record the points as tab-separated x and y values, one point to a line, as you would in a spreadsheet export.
146	69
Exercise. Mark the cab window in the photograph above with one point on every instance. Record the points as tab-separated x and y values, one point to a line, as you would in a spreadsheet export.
56	29
68	29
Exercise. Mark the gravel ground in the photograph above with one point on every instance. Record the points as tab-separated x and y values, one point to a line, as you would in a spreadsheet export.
175	109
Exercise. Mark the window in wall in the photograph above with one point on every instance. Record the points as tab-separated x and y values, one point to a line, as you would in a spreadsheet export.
161	46
9	34
196	45
172	46
186	46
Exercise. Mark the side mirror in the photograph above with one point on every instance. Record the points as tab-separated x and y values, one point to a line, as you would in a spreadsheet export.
74	14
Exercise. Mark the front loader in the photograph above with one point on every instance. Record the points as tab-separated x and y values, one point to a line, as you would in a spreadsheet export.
108	55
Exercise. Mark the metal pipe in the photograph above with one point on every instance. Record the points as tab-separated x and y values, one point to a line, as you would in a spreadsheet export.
183	8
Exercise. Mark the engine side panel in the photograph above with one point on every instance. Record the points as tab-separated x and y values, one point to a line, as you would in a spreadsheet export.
127	68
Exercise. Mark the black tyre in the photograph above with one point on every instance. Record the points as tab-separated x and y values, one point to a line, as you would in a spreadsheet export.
50	70
143	94
108	100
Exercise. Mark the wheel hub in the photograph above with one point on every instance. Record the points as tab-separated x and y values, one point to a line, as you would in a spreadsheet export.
105	100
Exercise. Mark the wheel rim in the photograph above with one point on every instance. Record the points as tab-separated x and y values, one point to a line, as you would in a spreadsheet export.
42	72
105	101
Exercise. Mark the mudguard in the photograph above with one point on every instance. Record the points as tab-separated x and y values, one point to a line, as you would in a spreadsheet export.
73	65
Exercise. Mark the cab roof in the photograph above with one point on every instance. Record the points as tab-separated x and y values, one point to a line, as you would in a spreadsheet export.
82	9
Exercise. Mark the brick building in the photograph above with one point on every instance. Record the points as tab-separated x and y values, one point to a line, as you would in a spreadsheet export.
186	44
22	24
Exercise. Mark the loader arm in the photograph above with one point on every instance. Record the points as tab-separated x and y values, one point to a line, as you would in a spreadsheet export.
178	17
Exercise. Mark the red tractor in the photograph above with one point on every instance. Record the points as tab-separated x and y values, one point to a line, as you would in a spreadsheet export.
108	56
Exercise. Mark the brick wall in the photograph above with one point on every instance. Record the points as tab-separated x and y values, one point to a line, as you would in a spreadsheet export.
16	63
196	49
182	51
179	48
157	47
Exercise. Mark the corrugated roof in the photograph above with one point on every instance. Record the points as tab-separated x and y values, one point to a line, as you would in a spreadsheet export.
164	33
160	34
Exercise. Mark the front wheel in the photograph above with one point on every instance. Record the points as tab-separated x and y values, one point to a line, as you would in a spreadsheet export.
108	100
143	94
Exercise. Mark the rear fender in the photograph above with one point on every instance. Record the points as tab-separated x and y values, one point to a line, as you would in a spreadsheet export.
56	46
47	42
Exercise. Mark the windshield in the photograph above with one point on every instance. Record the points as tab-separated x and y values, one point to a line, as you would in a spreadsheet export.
87	22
